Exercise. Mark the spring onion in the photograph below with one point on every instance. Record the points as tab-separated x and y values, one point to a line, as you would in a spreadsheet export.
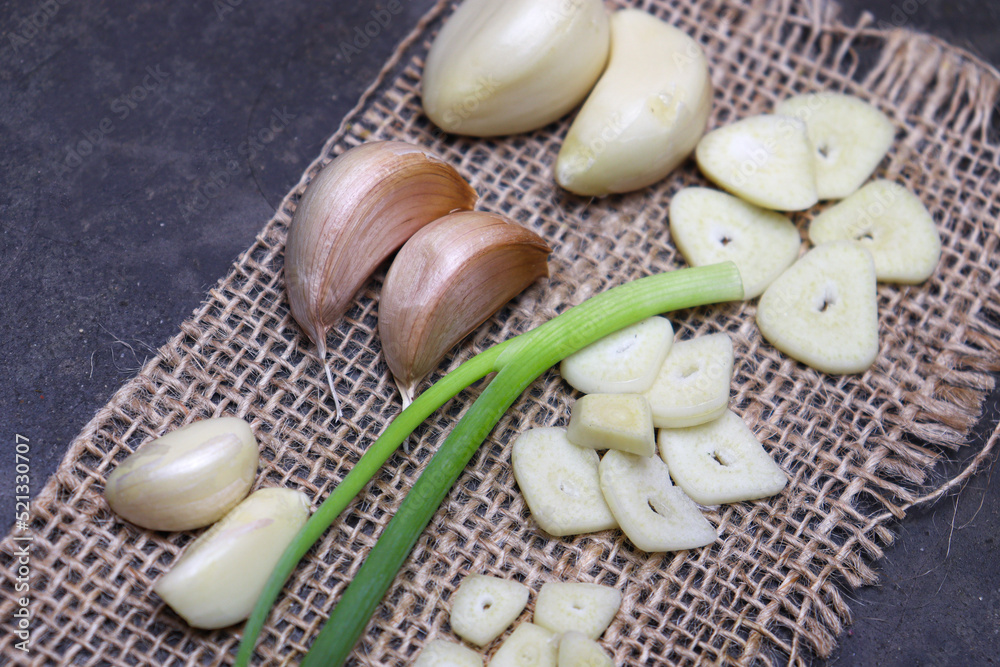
517	362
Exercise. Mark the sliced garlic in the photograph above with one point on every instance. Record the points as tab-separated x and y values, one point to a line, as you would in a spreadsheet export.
513	66
766	160
849	136
720	462
613	421
692	386
623	362
709	227
448	279
576	607
443	653
528	646
356	212
559	482
644	116
823	310
653	513
483	607
892	224
187	478
217	581
578	650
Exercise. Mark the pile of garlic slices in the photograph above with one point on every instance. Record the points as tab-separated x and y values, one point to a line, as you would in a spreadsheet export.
568	619
820	309
638	380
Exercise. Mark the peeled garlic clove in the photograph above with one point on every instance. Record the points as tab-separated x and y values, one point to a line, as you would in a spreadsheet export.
356	212
446	281
514	66
217	581
644	116
187	478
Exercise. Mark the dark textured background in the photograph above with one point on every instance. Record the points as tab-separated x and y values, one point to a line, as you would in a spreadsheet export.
203	117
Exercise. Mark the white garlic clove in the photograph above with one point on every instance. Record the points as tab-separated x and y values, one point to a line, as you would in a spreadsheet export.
187	478
449	278
217	581
513	66
644	116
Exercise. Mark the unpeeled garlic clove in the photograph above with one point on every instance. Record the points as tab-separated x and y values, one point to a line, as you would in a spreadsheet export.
217	581
514	66
357	211
644	116
187	478
446	281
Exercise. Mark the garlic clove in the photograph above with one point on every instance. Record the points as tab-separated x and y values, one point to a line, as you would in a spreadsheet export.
514	66
217	581
356	212
644	116
187	478
448	279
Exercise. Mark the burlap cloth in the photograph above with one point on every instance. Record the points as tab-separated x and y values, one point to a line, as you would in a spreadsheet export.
858	451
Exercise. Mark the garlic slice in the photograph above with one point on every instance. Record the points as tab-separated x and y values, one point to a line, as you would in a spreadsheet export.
644	116
483	607
529	645
513	66
573	606
217	581
448	279
356	212
187	478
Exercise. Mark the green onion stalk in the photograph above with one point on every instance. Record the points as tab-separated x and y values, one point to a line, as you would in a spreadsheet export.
517	363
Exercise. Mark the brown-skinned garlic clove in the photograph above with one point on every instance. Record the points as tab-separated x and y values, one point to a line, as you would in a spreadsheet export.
446	281
356	212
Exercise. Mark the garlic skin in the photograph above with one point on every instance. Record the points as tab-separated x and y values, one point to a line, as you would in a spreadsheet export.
187	478
448	279
217	581
513	66
356	212
644	116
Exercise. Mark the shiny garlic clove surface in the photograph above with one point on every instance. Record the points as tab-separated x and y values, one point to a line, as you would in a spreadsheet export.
447	280
217	581
187	478
357	211
513	66
644	116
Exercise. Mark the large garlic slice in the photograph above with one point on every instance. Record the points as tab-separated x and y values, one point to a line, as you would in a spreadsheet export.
890	222
623	362
692	386
356	212
646	113
217	581
709	227
513	66
850	137
187	478
483	607
823	310
447	280
565	606
654	514
559	482
720	462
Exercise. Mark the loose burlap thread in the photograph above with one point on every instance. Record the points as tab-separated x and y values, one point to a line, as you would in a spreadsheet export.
858	450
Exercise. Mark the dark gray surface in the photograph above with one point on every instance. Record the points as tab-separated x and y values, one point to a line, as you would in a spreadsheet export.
202	118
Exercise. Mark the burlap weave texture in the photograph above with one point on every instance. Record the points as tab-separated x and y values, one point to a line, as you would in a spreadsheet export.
858	450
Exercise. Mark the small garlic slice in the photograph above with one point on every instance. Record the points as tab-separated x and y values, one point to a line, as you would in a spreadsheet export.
447	279
613	421
187	478
623	362
692	386
578	650
483	607
443	653
529	645
217	581
564	606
